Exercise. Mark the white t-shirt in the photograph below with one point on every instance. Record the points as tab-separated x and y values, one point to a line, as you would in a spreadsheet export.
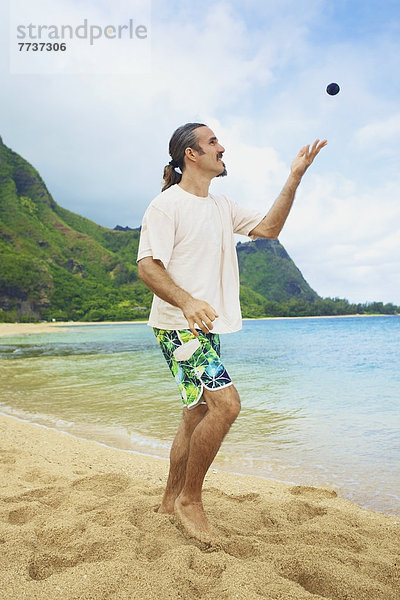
193	237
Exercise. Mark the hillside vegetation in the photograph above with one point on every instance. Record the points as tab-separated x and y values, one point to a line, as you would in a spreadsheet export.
57	264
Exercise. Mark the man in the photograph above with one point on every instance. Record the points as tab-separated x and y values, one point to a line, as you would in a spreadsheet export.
187	257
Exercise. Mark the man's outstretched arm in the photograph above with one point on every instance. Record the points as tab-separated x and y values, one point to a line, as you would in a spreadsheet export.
197	312
274	220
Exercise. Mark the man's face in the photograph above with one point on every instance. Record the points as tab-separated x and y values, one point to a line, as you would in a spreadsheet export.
211	161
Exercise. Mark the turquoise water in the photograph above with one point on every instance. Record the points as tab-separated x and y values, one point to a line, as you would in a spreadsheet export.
320	397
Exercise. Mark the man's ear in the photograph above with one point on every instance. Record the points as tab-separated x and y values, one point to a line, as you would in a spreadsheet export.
190	154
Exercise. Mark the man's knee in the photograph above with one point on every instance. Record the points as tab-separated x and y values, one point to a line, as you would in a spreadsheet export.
193	416
225	401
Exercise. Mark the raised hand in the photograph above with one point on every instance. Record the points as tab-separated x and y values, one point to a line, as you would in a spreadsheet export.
305	157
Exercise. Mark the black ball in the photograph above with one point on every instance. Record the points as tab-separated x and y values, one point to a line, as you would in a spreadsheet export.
333	89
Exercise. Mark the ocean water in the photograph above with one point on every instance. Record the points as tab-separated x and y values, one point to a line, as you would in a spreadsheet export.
320	397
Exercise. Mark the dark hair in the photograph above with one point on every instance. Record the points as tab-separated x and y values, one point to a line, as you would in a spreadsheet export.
182	138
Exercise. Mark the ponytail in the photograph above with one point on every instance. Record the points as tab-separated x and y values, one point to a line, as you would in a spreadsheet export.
170	177
184	137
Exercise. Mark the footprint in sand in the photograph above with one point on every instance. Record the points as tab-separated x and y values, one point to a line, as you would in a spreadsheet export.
42	567
7	457
206	565
38	476
332	579
249	497
312	493
108	484
242	548
58	547
20	516
49	496
300	512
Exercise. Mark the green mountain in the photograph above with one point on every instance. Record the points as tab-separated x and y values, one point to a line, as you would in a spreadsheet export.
55	264
267	268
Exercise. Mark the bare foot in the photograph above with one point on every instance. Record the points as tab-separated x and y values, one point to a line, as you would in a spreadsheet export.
193	520
166	508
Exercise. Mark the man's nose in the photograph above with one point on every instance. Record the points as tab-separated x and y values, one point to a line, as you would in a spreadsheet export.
221	149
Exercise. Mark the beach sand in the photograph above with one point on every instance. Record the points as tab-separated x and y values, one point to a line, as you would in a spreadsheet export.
11	329
78	522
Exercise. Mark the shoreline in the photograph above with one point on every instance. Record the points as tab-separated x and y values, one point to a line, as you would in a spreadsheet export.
13	329
224	463
78	520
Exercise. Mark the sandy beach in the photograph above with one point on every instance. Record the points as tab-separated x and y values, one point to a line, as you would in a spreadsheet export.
78	522
11	329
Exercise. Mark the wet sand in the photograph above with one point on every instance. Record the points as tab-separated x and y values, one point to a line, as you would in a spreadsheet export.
78	522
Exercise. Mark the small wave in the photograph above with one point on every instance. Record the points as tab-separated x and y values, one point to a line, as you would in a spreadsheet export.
19	351
114	436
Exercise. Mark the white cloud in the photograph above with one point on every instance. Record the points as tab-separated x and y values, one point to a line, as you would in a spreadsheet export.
255	173
382	131
346	240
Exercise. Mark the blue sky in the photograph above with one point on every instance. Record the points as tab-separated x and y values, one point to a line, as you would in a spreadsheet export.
256	72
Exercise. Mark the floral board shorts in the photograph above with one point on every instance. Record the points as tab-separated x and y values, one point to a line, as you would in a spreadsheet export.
203	369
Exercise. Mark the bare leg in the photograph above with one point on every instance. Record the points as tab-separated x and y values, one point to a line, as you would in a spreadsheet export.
179	455
223	408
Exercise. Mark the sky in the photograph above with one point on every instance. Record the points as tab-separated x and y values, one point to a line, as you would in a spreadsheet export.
256	72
